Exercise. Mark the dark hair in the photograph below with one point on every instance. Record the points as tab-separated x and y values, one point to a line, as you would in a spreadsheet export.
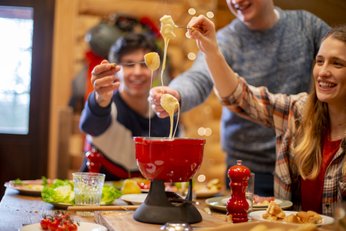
131	42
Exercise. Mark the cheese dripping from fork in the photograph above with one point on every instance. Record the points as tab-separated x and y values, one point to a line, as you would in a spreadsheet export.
152	60
168	102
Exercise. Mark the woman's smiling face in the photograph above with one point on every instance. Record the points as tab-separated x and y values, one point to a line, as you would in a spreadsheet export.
330	72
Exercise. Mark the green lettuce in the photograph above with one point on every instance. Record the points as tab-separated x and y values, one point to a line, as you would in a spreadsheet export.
109	194
62	192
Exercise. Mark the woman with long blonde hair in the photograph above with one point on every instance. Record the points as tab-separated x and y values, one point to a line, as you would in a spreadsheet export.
310	128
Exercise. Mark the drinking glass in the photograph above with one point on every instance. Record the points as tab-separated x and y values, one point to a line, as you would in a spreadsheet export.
250	190
88	187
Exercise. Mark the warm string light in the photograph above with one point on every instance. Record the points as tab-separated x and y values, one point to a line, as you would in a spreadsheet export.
191	56
210	14
192	11
201	178
202	131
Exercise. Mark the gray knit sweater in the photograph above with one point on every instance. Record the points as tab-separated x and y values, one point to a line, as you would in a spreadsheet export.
280	58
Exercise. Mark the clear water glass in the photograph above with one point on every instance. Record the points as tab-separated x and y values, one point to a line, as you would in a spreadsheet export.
88	187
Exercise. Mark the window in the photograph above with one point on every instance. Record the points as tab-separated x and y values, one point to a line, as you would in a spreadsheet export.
16	24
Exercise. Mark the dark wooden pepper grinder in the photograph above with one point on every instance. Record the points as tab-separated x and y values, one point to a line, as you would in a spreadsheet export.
237	205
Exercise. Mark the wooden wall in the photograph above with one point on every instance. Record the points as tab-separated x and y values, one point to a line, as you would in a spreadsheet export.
331	11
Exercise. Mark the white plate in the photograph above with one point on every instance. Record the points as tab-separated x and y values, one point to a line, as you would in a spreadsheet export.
265	205
83	226
27	187
257	215
202	191
134	199
254	225
277	201
219	203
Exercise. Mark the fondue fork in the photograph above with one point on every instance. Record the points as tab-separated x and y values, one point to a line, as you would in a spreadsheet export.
101	207
184	27
192	28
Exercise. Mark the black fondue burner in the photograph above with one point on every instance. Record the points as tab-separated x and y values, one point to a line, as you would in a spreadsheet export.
161	206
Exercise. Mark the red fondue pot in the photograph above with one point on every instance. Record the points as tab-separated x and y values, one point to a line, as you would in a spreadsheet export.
170	160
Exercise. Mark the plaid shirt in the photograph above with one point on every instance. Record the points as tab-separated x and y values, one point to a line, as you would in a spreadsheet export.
283	113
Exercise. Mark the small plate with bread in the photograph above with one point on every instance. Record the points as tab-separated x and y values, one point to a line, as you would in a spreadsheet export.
275	213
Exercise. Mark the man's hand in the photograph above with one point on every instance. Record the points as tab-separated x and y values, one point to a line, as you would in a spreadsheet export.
105	82
155	99
203	31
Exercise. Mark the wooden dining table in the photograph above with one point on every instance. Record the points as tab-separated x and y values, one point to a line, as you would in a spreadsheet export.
17	210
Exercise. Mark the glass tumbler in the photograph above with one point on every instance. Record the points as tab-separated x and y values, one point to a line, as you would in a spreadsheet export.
88	187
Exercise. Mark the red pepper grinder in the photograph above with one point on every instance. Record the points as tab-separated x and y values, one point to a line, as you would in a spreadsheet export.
237	205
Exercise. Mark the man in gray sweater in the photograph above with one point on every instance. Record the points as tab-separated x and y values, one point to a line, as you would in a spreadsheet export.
269	46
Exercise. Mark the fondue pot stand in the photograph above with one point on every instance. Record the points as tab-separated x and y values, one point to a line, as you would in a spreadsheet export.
168	160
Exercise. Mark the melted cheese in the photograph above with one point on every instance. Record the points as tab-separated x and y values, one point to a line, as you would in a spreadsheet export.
167	32
152	60
170	104
167	27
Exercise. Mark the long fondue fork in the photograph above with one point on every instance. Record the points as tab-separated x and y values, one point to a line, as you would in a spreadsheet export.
101	207
184	27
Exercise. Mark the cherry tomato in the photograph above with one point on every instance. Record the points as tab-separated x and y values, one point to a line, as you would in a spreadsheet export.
53	226
62	227
44	223
72	227
63	217
60	221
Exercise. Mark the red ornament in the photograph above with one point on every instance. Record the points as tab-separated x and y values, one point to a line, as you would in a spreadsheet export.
94	160
237	205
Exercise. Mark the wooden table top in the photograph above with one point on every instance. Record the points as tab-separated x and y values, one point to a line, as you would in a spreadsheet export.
17	210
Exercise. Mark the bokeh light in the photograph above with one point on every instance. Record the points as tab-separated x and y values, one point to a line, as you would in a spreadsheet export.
202	131
187	35
191	56
210	14
208	132
192	11
201	178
